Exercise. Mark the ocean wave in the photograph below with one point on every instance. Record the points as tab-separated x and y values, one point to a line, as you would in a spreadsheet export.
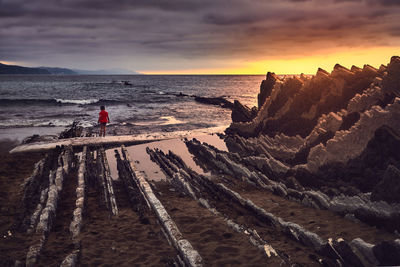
77	101
28	123
57	101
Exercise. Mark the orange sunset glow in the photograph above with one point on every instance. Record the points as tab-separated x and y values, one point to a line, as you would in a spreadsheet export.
307	64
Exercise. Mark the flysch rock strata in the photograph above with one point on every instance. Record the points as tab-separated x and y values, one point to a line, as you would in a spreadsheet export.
191	256
187	181
35	191
357	252
335	132
138	203
77	219
348	144
56	179
104	176
361	206
306	122
46	210
286	147
294	105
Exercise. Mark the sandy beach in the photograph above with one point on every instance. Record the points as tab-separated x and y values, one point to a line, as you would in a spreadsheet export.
133	238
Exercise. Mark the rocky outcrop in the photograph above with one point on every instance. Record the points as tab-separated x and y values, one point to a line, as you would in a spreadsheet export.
77	220
275	177
266	88
294	105
391	81
388	188
388	252
49	175
105	180
74	131
241	113
346	145
218	101
336	132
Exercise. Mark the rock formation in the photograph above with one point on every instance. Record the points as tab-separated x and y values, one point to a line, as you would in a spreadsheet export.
218	101
241	113
293	105
336	133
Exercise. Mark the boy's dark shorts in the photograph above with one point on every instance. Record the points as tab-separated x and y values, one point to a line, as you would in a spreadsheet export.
103	124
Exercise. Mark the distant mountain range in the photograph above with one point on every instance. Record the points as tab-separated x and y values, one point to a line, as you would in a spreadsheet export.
13	69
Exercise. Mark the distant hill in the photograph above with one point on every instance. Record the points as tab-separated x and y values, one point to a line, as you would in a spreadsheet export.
13	69
106	72
59	71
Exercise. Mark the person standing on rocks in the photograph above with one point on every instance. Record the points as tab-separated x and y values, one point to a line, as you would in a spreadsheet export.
103	120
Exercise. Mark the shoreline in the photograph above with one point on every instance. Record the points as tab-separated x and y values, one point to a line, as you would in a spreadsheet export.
114	140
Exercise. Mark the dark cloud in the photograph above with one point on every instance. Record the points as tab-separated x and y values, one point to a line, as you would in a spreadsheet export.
10	9
156	34
220	19
388	2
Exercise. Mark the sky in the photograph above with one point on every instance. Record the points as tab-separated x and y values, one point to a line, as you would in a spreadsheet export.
200	36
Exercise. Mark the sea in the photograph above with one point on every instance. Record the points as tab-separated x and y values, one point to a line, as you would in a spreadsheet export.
47	104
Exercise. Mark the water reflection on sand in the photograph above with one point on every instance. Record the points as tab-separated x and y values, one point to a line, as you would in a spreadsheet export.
144	164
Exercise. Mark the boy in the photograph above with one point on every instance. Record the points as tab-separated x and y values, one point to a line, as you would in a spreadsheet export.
103	120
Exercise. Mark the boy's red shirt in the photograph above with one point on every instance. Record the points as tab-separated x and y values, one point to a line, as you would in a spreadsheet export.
103	116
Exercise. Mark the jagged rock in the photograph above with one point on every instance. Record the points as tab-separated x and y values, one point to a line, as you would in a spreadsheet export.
382	68
364	252
341	72
388	252
346	253
74	131
349	120
71	260
104	177
241	113
306	237
320	199
329	251
322	72
391	82
293	105
355	69
347	145
388	189
34	252
218	101
266	88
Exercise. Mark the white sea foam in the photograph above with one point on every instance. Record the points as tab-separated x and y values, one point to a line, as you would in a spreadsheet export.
54	123
77	101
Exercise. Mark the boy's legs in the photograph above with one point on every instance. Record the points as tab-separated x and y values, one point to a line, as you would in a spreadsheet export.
102	129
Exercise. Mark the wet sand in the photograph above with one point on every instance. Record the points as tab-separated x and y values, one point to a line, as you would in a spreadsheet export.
325	223
13	170
218	244
153	172
127	240
123	240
